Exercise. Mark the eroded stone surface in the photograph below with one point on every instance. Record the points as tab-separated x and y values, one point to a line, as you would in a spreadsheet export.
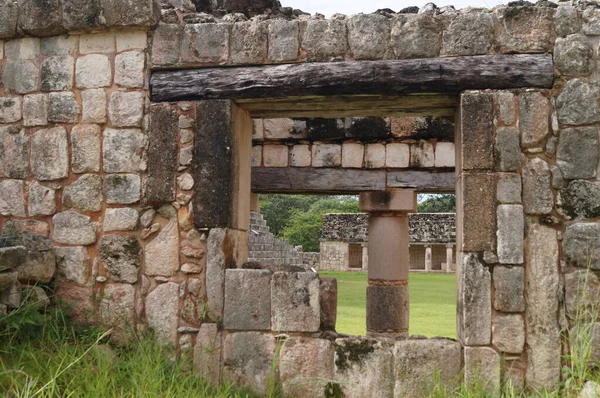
283	40
126	109
581	244
247	299
469	34
580	199
123	150
85	148
324	39
508	333
122	257
578	102
14	159
537	192
49	154
295	302
510	234
84	194
122	188
73	228
577	152
415	36
534	118
12	202
368	36
482	367
117	311
73	263
121	219
162	312
247	359
476	322
509	285
573	56
162	253
207	352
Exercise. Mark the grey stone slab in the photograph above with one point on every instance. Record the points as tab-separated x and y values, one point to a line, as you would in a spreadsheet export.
475	302
295	302
509	286
162	154
511	223
577	152
581	244
247	299
537	192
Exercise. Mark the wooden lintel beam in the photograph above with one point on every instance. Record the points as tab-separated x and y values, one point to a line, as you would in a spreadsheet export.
389	77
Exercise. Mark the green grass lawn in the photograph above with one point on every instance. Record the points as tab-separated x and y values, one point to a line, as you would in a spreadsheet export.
432	303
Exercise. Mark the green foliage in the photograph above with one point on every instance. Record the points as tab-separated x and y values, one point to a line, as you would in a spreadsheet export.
443	203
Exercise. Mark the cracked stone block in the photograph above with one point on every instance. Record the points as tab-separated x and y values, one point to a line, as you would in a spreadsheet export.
525	29
368	36
511	223
73	263
49	154
166	44
324	39
93	71
573	56
57	73
247	359
12	201
162	252
41	200
10	109
577	152
416	36
326	155
35	110
577	103
120	219
85	194
162	312
247	299
129	69
283	39
206	43
482	367
121	256
295	302
123	150
249	42
534	118
94	105
581	244
508	333
537	191
14	159
85	148
21	76
509	286
73	228
469	34
63	107
117	311
122	188
126	109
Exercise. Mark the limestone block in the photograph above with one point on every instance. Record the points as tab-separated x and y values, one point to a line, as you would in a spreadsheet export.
35	110
63	107
283	39
129	69
41	200
300	156
121	256
14	159
511	224
123	150
49	154
582	292
162	312
387	309
537	192
249	42
578	102
73	228
280	129
581	244
207	353
577	152
444	154
295	302
591	25
508	289
57	73
482	367
59	45
247	359
579	199
97	43
93	71
73	263
475	296
81	14
534	118
525	29
476	123
206	43
122	188
85	148
469	34
508	333
256	156
126	109
353	154
117	311
573	56
326	155
165	44
422	154
33	226
162	253
247	300
416	36
21	76
543	287
363	368
85	194
324	39
507	149
275	155
375	156
12	201
10	109
215	270
505	102
305	366
94	105
417	360
9	15
129	12
479	228
508	188
25	48
41	18
131	40
120	219
566	20
369	36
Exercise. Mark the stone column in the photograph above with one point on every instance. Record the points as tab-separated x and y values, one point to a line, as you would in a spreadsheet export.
387	293
449	258
365	256
427	258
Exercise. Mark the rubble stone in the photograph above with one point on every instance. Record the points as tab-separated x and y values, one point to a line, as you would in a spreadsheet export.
21	76
121	256
577	152
85	194
122	188
72	228
573	56
507	149
12	202
580	199
162	253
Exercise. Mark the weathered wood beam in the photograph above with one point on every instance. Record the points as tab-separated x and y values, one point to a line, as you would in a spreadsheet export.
390	77
345	181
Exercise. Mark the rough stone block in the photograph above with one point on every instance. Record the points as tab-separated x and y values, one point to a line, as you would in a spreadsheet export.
511	223
534	118
85	194
479	208
85	148
73	263
73	228
93	71
375	156
131	40
9	15
508	188
577	103
326	155
162	154
577	152
363	368
275	155
162	253
543	286
215	270
25	48
121	256
12	201
129	69
49	154
10	109
508	289
321	129
117	311
505	102
573	56
162	312
422	154
482	368
39	264
475	300
14	159
122	188
353	154
305	366
476	139
507	149
82	14
387	309
416	36
444	154
97	43
63	107
295	302
35	110
57	73
417	360
300	156
207	353
324	39
281	129
59	45
166	44
581	244
590	25
283	39
249	42
21	76
129	12
41	18
126	109
566	20
94	105
206	43
579	199
369	36
41	200
32	226
247	300
508	333
247	359
582	292
525	29
469	34
123	150
537	191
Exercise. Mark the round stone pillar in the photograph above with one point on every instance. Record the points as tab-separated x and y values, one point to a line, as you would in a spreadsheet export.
387	292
